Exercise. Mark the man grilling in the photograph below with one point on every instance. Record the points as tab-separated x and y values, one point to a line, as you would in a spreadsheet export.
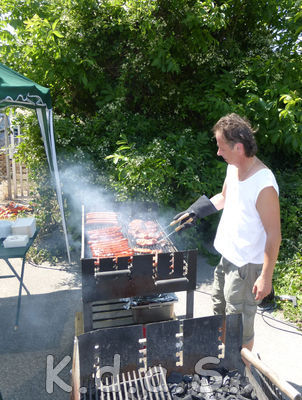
248	236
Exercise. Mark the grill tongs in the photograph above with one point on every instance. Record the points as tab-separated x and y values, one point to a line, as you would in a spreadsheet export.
180	226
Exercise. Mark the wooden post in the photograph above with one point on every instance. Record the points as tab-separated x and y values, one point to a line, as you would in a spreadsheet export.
75	377
12	143
27	182
7	161
21	180
283	385
20	165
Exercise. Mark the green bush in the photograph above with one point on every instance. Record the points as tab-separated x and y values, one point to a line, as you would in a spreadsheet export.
288	271
143	82
288	281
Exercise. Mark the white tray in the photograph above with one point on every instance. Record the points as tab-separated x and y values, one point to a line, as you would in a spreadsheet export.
24	226
16	241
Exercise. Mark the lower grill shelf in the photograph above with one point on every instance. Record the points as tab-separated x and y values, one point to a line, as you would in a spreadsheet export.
106	314
116	312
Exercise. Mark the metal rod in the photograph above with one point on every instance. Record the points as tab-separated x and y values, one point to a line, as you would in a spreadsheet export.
155	384
159	383
113	387
136	385
19	295
90	391
165	386
146	380
117	272
141	379
163	282
125	387
119	387
166	237
129	382
15	275
101	389
107	392
177	229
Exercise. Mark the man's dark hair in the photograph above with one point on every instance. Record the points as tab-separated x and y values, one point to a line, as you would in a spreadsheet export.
237	130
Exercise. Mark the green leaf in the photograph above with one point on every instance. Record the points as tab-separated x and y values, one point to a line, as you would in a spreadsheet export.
58	34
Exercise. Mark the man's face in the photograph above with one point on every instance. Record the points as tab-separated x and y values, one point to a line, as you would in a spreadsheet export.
225	150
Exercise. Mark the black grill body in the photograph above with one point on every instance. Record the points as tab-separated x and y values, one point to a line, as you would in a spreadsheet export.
109	281
176	346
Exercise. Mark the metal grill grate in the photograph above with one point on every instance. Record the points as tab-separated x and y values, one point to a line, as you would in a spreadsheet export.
137	385
166	247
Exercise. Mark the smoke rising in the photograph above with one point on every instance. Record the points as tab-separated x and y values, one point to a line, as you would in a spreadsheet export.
81	194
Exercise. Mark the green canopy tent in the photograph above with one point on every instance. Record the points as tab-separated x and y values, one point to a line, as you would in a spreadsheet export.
19	91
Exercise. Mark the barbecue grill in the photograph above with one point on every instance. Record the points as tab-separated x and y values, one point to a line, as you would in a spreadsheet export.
108	283
136	362
128	360
142	350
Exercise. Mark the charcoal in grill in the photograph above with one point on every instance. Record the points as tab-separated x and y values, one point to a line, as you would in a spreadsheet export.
231	386
153	385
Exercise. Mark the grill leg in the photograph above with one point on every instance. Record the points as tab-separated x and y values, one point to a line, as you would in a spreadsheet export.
87	310
190	303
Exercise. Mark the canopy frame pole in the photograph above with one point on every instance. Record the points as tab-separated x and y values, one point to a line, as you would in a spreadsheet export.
57	180
49	144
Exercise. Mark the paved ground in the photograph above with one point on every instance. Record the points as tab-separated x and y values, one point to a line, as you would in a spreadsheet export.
44	339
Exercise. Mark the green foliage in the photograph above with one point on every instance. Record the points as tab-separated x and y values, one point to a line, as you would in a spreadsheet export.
292	117
290	184
288	281
173	170
31	152
46	210
193	61
137	85
288	271
137	175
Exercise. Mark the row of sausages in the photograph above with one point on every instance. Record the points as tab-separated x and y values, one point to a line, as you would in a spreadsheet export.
109	241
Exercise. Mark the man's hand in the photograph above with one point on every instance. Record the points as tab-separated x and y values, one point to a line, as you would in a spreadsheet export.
200	209
262	287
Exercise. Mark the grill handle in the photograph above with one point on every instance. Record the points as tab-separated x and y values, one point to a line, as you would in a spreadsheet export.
112	273
284	386
164	282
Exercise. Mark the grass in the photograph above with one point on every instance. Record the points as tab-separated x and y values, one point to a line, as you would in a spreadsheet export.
288	281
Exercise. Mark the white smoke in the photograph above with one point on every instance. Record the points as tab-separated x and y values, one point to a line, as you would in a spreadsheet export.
84	196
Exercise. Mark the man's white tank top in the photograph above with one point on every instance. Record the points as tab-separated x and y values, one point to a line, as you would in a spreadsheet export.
240	236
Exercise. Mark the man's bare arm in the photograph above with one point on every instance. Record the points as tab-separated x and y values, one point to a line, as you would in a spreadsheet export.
269	211
219	199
